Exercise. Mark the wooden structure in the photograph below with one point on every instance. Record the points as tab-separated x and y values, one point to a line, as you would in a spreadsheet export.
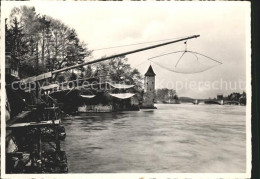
27	132
40	122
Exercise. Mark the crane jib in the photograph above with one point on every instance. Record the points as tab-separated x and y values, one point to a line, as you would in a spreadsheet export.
115	56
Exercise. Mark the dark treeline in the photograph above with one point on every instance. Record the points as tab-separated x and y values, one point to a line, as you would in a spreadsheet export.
118	70
240	97
39	43
165	95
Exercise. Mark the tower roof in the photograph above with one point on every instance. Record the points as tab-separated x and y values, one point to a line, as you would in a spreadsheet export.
150	72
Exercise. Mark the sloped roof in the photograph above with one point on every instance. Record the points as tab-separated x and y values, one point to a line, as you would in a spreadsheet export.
150	72
120	86
122	95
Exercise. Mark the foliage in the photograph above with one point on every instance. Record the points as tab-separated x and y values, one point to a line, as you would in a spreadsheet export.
119	71
240	97
166	94
42	42
89	71
39	43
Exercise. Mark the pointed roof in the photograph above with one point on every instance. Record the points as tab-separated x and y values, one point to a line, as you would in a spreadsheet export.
150	72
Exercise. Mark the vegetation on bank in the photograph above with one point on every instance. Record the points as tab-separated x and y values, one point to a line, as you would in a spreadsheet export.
38	43
240	97
166	95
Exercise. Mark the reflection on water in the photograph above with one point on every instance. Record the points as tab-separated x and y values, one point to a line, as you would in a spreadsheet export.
173	138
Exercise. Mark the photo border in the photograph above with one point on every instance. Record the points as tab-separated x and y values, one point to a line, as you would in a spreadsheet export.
136	175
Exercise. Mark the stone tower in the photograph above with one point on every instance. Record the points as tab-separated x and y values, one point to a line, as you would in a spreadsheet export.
149	89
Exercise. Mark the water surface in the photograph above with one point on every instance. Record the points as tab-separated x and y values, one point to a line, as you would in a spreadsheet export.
174	138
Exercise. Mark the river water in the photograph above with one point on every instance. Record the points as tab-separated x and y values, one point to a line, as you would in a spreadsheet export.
173	138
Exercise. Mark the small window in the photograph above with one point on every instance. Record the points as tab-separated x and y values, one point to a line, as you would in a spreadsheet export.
150	89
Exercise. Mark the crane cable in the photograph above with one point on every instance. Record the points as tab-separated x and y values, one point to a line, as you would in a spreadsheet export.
199	68
106	48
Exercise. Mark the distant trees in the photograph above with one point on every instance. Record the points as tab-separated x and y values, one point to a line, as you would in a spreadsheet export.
121	70
118	70
234	96
240	97
166	94
39	43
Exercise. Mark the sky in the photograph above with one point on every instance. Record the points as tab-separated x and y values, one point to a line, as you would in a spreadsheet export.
223	28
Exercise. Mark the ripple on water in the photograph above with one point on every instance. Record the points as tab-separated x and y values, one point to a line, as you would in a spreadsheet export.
173	138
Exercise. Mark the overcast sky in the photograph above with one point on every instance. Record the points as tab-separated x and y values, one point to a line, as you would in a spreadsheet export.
222	27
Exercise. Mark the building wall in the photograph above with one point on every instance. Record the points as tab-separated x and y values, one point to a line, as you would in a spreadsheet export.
149	91
149	84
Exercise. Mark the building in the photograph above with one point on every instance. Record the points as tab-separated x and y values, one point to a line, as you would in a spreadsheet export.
149	89
220	97
11	69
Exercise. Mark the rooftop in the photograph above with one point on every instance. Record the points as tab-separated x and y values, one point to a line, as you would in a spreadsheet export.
150	72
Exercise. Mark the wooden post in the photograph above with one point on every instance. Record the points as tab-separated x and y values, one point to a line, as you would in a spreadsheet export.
57	139
39	145
56	131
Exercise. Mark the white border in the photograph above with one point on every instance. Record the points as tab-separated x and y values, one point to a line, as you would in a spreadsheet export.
2	65
249	93
136	175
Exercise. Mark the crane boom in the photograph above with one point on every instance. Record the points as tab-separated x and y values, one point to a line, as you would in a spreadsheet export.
122	54
49	74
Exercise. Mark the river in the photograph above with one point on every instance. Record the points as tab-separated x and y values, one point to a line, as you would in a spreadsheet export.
173	138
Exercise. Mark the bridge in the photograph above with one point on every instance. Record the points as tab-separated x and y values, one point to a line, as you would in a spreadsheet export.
212	101
232	102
